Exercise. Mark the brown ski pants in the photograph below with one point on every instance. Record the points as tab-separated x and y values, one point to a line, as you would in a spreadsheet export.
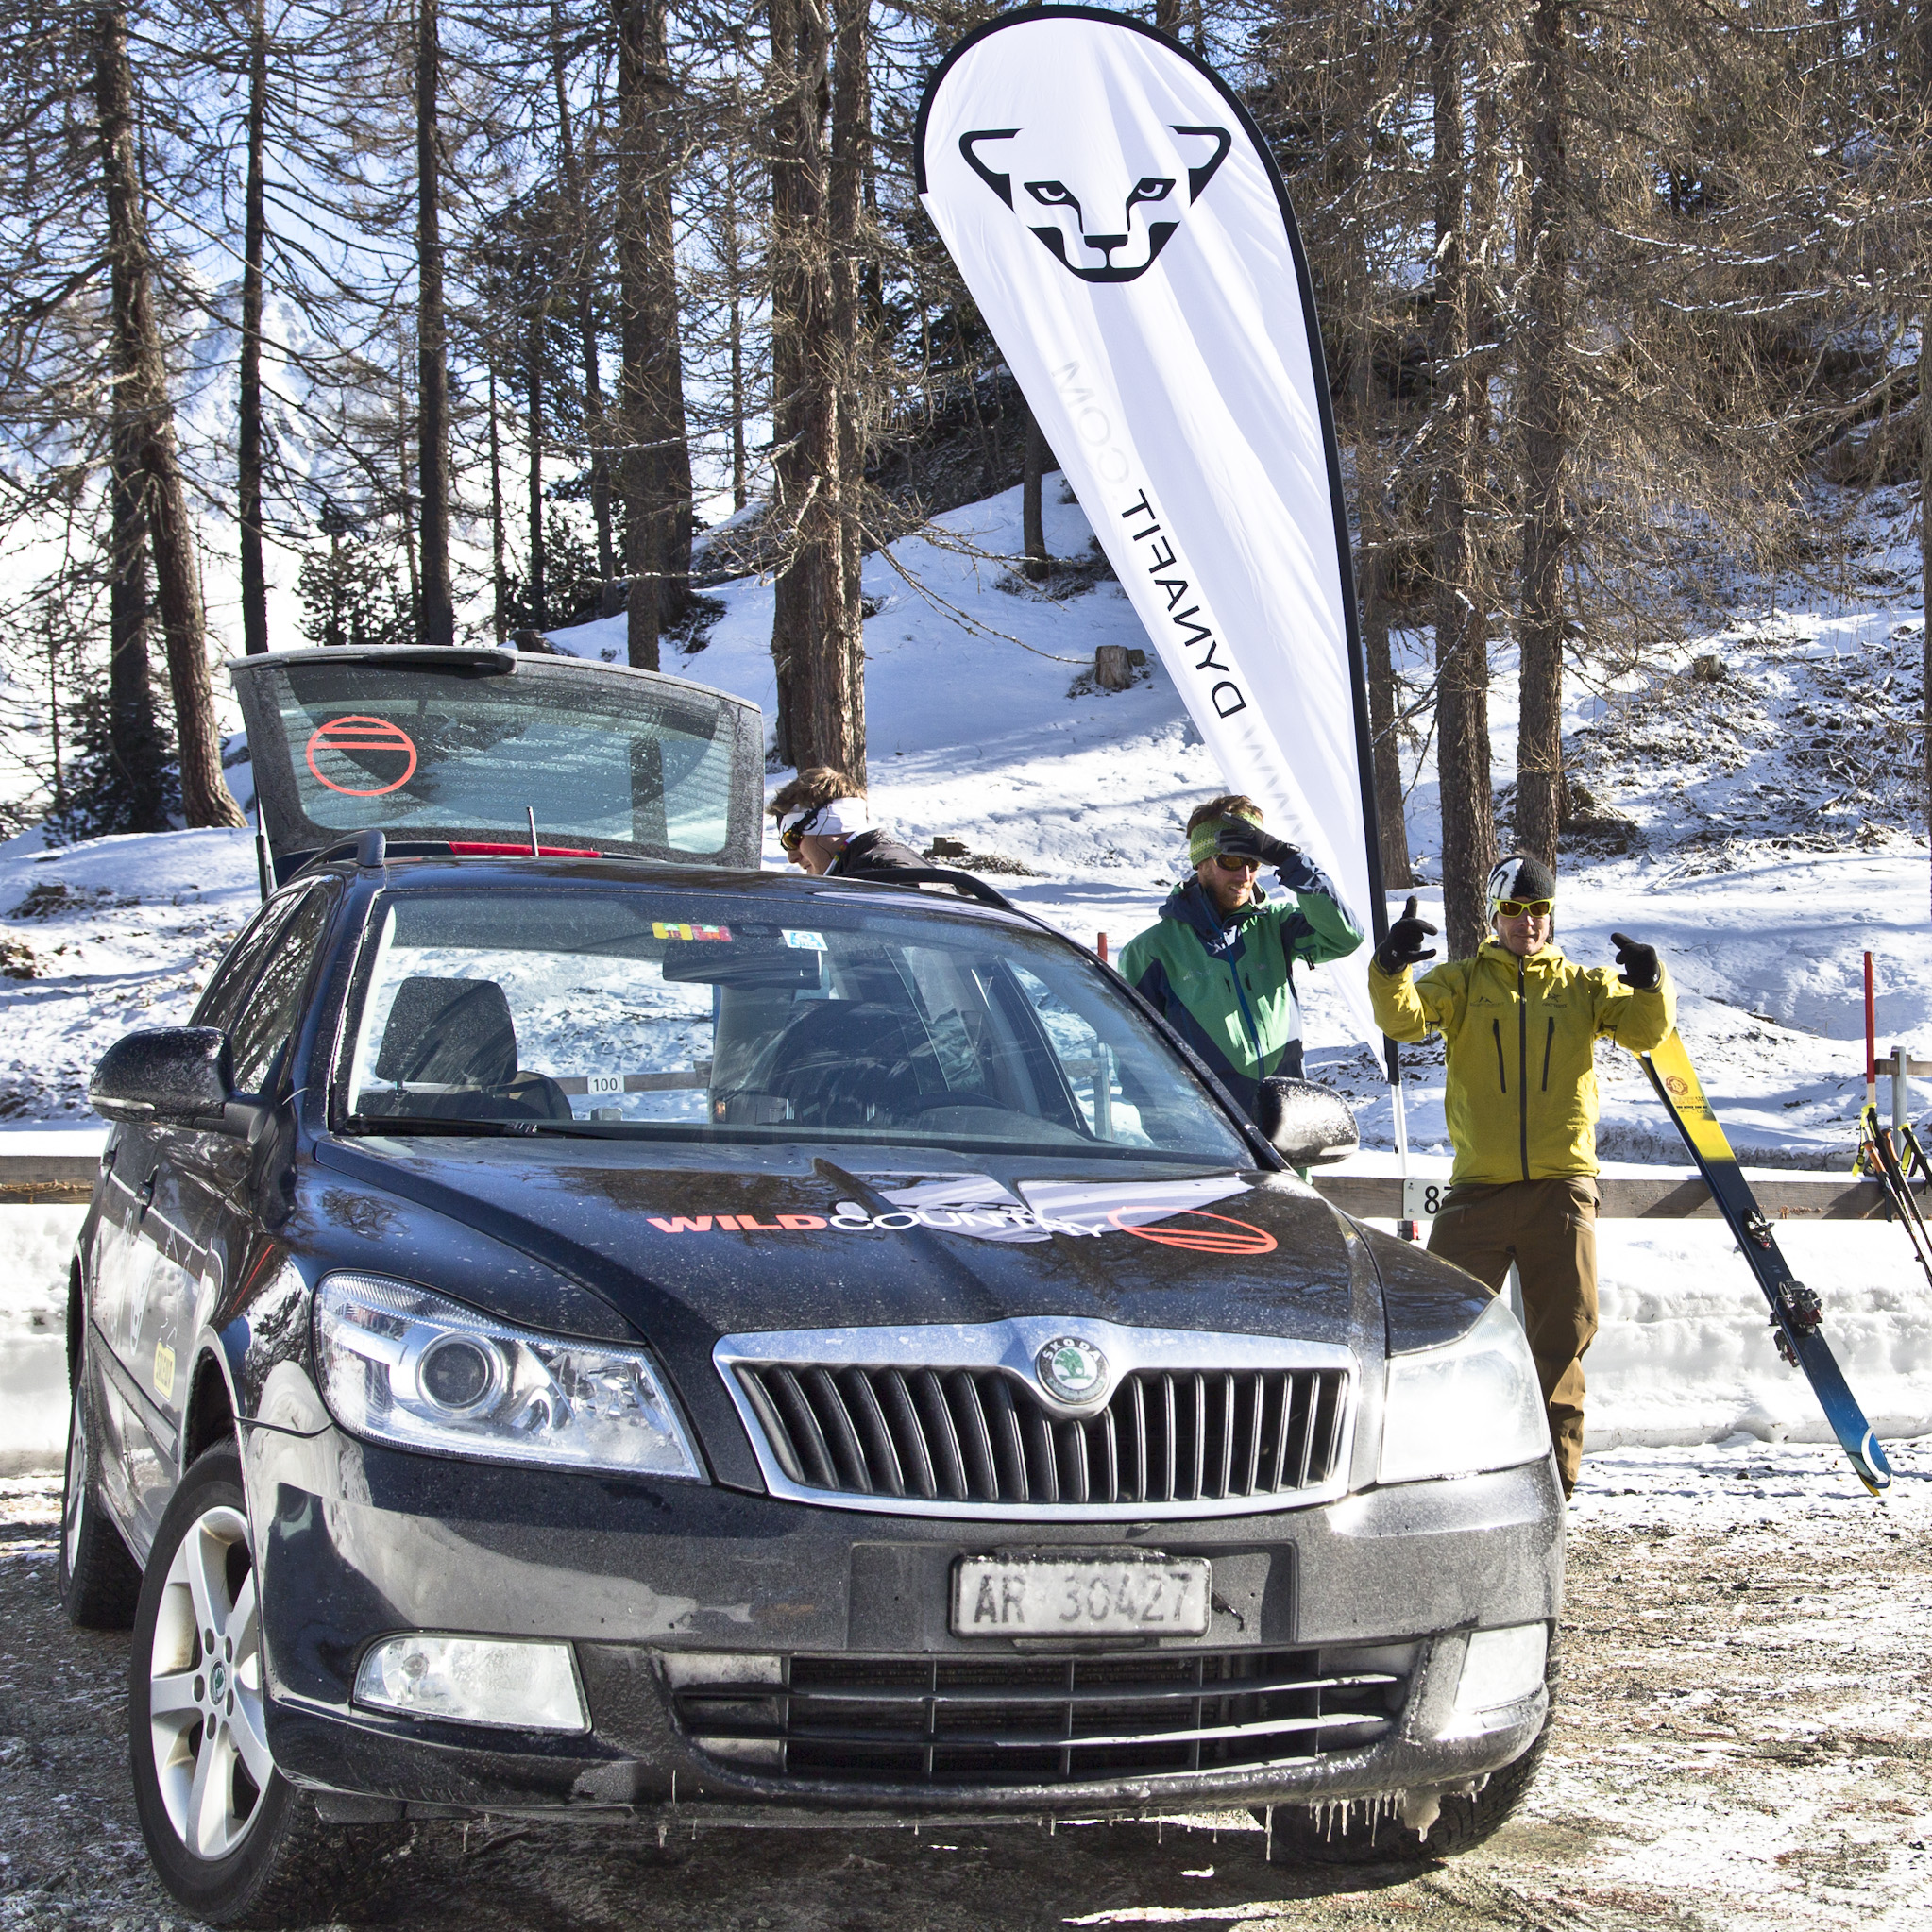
1549	1228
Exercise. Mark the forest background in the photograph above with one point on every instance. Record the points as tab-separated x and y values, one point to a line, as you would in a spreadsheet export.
461	323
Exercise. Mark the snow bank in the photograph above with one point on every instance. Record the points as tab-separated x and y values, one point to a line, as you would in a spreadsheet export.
35	1244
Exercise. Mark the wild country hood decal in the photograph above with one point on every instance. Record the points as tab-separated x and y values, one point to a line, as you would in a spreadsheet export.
1170	1212
1079	207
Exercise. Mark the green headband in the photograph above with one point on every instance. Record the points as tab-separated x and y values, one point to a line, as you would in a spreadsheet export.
1205	839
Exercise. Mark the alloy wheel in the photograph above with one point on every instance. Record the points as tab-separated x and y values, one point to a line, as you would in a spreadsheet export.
205	1721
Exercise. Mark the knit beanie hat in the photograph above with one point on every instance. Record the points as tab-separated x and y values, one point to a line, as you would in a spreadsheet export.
1516	875
1205	839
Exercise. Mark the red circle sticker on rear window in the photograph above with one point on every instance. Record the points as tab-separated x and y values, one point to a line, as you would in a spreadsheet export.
362	748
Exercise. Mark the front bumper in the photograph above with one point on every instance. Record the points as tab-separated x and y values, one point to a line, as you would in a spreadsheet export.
656	1582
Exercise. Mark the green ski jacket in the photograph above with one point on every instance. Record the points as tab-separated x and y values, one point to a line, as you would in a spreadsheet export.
1230	991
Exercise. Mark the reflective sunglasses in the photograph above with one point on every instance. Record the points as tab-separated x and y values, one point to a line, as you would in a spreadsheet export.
1232	862
1515	908
792	838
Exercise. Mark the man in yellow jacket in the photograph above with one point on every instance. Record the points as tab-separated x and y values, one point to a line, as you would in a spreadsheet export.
1520	1023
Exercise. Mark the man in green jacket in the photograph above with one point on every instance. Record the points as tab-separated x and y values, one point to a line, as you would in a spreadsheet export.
1520	1023
1219	963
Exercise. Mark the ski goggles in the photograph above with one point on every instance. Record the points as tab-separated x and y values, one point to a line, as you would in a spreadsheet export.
1233	862
1536	909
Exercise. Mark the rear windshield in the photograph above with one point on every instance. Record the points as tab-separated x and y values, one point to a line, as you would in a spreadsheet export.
419	751
684	1015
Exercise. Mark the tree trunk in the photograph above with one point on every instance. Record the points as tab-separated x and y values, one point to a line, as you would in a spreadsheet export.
657	460
1039	564
740	468
1371	584
671	465
812	652
583	282
1544	443
134	741
1925	548
254	248
500	603
437	621
851	143
1462	657
539	612
143	408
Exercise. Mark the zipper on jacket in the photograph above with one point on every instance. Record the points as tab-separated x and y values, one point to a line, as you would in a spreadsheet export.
1523	1061
1496	1028
1549	1041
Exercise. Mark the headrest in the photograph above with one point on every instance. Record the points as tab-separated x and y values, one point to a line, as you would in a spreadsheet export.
447	1031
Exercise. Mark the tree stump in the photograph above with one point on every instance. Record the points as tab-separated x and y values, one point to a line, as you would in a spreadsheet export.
1112	669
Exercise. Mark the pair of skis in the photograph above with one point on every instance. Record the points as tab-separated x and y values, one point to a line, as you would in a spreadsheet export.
1892	1156
1796	1314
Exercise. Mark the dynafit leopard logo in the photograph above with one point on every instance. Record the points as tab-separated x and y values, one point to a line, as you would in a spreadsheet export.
1102	220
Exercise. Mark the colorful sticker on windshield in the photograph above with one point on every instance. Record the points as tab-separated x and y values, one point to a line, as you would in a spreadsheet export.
806	941
362	748
669	929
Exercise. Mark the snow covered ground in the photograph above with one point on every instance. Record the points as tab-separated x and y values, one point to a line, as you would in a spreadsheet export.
1763	853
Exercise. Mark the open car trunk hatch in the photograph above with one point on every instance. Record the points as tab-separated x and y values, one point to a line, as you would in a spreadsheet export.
458	746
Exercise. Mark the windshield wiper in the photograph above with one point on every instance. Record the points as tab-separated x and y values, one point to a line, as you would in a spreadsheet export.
402	1125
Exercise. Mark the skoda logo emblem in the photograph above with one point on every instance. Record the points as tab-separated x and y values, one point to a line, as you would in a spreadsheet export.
217	1683
1073	1370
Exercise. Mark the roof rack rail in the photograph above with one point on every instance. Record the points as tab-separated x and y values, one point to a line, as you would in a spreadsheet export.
968	882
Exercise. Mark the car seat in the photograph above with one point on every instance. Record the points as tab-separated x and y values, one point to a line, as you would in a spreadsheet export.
455	1039
842	1063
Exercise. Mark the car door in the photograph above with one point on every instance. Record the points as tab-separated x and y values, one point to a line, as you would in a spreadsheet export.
203	1207
149	1259
124	1258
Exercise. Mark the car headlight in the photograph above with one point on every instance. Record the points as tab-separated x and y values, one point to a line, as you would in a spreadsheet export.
1474	1404
400	1365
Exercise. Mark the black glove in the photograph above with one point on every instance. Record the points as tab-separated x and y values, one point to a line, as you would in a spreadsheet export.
1243	839
1641	972
1404	947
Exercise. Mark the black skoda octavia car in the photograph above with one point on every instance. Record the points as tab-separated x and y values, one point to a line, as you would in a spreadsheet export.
611	1330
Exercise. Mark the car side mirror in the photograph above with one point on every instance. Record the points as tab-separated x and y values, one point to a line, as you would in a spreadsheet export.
172	1077
1308	1125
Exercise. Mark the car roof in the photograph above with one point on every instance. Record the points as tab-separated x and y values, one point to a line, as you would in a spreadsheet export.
418	872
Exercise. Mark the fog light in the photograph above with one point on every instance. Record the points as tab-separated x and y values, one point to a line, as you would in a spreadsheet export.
1501	1666
475	1679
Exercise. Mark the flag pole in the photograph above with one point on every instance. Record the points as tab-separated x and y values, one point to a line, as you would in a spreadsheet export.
1358	679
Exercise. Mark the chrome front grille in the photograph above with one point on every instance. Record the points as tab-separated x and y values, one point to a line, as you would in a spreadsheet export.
954	1420
969	1436
1018	1721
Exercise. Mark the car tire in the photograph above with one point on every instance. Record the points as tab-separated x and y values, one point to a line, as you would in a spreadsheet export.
1371	1832
228	1835
99	1581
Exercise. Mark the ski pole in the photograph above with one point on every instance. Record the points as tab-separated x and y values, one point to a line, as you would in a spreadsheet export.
1870	1041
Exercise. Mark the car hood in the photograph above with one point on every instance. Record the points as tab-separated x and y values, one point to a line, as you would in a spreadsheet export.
742	1240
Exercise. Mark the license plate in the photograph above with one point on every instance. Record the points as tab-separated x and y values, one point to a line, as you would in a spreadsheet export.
1044	1597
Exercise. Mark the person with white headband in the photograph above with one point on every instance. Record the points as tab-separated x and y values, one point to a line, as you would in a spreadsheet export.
825	827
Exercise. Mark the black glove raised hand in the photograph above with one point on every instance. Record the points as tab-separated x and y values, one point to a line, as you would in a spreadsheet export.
1245	840
1404	947
1641	972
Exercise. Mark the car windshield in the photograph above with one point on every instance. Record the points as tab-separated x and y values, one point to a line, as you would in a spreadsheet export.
698	1015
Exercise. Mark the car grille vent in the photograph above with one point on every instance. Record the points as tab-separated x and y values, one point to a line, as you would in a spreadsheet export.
1016	1722
981	1436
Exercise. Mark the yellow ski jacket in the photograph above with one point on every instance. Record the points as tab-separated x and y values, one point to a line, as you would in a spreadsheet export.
1521	1097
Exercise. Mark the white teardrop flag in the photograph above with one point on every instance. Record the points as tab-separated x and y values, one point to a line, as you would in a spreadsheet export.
1127	236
